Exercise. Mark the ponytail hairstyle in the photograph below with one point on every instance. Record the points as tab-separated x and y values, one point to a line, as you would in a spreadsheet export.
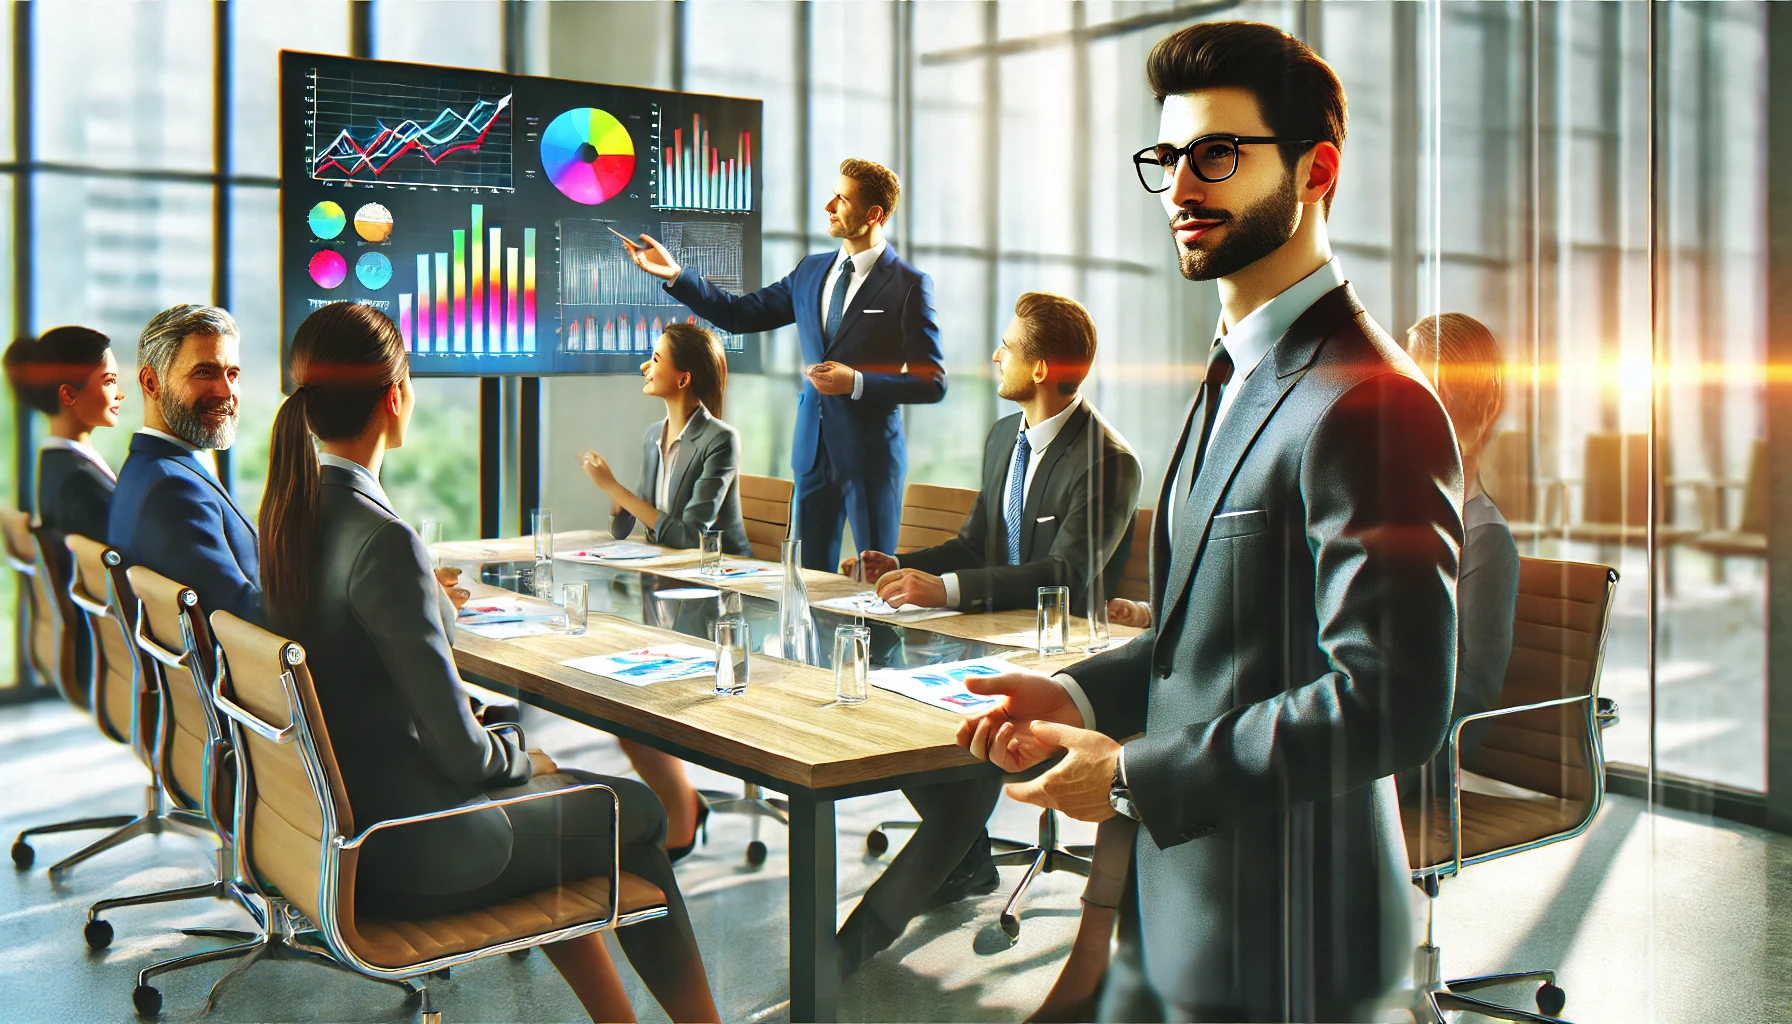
37	368
344	359
697	352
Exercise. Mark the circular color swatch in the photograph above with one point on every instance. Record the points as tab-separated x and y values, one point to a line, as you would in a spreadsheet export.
588	155
328	268
373	222
326	219
374	271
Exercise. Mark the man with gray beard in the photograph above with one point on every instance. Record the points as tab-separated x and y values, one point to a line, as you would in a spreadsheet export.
170	513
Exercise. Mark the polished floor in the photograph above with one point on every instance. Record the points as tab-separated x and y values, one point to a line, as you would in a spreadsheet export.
1650	917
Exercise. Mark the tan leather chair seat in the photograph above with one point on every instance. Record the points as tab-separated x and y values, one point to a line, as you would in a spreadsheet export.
1489	823
387	942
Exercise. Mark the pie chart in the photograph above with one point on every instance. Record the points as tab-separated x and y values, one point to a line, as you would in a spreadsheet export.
373	270
328	268
326	219
588	155
373	222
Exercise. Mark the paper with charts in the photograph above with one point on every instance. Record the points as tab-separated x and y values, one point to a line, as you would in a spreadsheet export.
943	685
868	603
645	666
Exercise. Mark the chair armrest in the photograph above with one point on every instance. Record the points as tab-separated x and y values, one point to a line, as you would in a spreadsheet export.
1606	712
504	727
247	719
615	811
20	565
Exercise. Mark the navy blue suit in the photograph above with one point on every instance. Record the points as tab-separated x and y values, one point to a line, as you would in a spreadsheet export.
171	515
849	456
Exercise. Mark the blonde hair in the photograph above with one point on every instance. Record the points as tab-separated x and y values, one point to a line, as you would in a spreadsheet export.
1462	359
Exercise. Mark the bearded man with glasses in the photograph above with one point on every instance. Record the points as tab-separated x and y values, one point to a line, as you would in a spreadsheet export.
1303	640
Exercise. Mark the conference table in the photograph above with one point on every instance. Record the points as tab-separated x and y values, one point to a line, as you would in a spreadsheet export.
786	733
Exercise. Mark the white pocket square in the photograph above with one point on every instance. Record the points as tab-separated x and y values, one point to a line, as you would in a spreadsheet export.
872	311
1045	519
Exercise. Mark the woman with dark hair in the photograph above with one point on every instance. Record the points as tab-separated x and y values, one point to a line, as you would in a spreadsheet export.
343	575
70	375
690	482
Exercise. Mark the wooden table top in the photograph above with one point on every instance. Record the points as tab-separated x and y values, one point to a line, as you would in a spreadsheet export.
781	727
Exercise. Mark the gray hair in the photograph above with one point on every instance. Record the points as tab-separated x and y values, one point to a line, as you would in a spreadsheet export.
161	339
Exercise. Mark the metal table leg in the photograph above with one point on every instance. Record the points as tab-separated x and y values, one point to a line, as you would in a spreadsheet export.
814	957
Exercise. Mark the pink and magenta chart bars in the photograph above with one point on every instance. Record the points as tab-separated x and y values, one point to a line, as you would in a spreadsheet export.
476	298
696	175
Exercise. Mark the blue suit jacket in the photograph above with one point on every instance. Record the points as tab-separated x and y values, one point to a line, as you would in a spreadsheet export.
170	515
888	333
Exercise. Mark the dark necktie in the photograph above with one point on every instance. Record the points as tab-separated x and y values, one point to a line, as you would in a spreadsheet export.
1017	491
1213	385
837	301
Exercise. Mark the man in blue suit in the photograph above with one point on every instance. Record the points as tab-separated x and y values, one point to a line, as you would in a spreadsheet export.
170	513
870	345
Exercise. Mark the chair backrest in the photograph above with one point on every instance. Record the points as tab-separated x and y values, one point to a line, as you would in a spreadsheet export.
1558	644
1754	492
1508	473
1135	578
41	560
932	515
171	632
292	804
1617	480
102	594
765	507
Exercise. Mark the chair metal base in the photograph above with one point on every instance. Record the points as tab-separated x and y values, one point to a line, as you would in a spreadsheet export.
154	820
1041	857
223	887
1440	1001
751	802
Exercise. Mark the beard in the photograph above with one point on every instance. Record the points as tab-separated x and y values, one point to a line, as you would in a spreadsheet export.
1021	392
189	424
843	228
1259	231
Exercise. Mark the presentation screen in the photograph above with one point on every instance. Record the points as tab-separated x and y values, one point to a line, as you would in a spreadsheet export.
476	209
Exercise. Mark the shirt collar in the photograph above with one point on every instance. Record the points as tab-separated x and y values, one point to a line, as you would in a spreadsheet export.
690	424
326	459
863	262
202	456
1041	435
81	448
1250	339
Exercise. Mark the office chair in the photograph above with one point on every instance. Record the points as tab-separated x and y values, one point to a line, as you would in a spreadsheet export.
1547	741
299	845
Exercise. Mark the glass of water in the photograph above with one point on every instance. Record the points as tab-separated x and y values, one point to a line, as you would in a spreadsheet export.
709	550
575	599
543	522
733	644
852	664
430	532
1054	620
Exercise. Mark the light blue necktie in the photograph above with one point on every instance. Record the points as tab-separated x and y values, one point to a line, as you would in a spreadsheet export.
837	301
1017	489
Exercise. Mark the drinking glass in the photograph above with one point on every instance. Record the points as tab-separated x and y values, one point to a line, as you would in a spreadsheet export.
431	534
508	576
543	578
1054	620
1099	638
709	549
852	664
575	598
733	643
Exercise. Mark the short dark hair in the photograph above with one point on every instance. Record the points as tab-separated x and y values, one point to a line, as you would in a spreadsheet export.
1298	92
878	185
1059	331
38	367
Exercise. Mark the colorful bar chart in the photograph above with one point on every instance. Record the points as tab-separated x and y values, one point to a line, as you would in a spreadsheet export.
697	173
475	297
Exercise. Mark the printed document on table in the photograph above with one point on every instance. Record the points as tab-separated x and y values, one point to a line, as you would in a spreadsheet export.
618	551
487	611
645	666
870	604
942	686
730	574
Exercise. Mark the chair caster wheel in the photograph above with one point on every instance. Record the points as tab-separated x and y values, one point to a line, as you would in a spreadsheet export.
1011	928
23	855
876	842
756	853
1551	999
147	1000
519	954
99	935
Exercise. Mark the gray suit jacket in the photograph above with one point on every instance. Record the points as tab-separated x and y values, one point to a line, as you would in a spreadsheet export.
705	491
1304	650
1078	513
377	636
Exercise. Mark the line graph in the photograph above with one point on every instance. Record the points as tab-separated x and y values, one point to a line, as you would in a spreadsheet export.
447	130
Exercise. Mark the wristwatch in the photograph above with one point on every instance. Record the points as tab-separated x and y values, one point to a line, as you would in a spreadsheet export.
1120	795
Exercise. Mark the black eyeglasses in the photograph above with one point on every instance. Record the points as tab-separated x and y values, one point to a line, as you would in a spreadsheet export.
1213	158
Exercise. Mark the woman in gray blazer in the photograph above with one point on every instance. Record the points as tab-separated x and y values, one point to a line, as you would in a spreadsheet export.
690	482
343	575
70	375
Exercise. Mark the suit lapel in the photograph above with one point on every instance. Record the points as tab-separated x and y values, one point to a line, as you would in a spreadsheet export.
168	450
877	279
995	476
1069	437
1167	506
686	460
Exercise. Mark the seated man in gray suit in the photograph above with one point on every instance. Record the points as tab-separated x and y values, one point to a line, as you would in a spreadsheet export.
1056	506
1060	486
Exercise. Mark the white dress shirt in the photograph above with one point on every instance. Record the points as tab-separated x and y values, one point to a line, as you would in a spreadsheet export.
662	487
366	475
203	456
1039	438
862	265
1249	340
81	448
